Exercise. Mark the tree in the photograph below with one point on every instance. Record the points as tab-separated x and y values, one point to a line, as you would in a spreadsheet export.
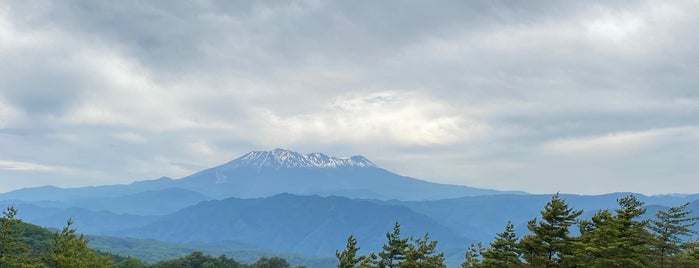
71	251
274	262
473	256
689	255
368	261
348	257
670	227
423	254
198	259
634	238
549	243
596	239
619	240
221	262
13	250
130	263
503	250
394	251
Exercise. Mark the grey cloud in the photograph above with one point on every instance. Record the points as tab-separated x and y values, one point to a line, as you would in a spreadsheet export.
135	89
41	91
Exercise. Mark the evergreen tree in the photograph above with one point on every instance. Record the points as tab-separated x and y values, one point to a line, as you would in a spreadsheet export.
13	250
473	256
348	257
423	254
273	262
619	240
70	251
596	240
130	263
502	252
368	261
634	238
670	227
198	259
394	251
549	243
688	256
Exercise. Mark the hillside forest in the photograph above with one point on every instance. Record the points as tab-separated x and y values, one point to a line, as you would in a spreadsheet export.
619	237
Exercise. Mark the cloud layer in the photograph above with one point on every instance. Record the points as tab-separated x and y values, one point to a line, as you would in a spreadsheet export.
587	97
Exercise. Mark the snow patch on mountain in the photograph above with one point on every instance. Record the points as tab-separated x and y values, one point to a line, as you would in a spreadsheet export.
281	158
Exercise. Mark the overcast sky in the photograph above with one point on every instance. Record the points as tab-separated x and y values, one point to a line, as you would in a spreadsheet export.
540	96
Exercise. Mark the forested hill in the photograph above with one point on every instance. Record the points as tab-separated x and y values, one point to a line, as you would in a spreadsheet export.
30	246
558	236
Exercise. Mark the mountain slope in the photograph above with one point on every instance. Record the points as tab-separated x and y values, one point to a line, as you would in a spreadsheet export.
311	225
152	251
89	222
150	202
261	174
267	173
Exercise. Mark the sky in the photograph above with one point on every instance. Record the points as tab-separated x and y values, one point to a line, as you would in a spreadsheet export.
583	97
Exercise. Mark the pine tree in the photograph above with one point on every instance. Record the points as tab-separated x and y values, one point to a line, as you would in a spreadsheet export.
394	251
503	250
13	251
670	228
423	254
549	243
596	241
634	238
688	256
131	263
368	261
619	240
473	256
348	257
273	262
70	251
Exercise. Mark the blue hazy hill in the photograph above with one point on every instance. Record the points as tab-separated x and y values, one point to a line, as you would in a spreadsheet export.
311	225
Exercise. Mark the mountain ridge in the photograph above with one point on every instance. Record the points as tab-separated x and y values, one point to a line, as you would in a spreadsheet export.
267	173
282	158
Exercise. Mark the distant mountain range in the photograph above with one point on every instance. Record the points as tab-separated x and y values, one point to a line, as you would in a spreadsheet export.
283	201
267	173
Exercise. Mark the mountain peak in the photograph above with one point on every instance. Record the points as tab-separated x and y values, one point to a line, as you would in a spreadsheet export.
282	158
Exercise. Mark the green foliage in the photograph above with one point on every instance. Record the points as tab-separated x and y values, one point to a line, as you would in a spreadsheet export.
423	254
274	262
71	251
630	246
369	261
348	257
130	263
473	256
669	228
397	252
198	259
13	250
549	242
394	251
503	251
618	238
26	246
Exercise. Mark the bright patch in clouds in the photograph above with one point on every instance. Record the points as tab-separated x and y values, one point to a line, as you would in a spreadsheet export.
621	142
389	117
24	166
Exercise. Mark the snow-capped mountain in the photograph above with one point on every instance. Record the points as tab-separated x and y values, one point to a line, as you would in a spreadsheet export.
281	158
267	173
